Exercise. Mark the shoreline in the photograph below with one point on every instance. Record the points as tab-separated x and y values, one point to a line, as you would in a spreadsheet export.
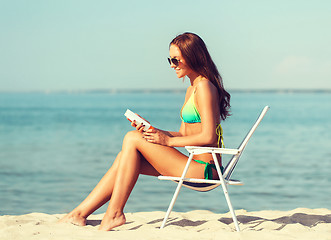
299	223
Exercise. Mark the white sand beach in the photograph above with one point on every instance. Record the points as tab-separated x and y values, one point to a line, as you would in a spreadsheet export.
300	223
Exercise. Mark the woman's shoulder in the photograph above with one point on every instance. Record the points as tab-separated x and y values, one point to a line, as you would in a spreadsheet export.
206	87
206	93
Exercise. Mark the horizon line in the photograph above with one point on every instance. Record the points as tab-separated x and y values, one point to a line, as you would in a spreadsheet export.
167	90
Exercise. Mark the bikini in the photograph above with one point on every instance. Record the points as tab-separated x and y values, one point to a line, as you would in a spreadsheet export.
190	114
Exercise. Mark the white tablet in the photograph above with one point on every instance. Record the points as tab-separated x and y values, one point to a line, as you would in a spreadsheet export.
132	116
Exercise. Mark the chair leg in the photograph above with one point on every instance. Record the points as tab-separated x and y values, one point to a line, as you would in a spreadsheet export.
234	217
172	203
174	198
225	190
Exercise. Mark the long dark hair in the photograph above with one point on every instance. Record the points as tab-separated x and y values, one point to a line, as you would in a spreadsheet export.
197	57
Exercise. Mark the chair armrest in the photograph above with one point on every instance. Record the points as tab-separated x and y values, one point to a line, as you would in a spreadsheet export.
201	150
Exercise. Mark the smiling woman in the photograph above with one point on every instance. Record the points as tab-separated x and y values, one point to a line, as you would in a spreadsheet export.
153	152
175	61
188	51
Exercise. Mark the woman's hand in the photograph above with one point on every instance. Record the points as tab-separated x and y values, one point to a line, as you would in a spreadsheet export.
156	136
139	127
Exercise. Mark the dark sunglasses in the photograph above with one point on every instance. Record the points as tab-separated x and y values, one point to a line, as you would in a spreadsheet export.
173	61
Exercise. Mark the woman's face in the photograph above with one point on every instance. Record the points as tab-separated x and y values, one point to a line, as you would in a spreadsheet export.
181	69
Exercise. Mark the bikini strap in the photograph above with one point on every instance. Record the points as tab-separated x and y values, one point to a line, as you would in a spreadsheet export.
219	133
208	173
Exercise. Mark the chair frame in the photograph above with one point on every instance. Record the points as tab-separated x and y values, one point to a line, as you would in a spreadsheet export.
224	178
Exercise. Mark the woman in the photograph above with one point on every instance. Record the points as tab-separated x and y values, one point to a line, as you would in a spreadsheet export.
152	152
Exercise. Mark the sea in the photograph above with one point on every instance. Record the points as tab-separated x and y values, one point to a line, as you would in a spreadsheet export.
55	147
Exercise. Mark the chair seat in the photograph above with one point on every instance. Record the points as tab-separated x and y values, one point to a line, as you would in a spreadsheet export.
201	185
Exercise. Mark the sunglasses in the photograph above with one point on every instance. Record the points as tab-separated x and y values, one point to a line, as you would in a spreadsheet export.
173	61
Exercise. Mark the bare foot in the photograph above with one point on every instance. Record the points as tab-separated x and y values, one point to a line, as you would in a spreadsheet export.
110	222
73	218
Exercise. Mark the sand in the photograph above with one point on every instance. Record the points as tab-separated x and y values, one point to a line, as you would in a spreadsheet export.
301	223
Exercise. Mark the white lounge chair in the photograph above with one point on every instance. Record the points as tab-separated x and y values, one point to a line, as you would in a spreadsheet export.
205	184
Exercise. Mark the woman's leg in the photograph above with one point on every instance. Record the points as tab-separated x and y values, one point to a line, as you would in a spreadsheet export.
101	194
135	151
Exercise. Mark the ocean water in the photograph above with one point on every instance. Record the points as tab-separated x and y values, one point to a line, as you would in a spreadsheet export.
54	148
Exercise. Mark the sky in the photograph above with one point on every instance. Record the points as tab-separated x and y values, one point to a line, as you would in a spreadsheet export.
78	45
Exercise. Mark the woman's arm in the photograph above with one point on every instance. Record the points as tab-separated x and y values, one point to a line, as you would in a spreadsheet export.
180	133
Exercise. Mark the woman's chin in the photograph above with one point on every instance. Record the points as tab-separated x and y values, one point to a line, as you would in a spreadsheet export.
180	75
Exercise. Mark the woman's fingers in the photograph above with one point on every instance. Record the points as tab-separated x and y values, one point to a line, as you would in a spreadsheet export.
149	137
139	127
155	136
152	137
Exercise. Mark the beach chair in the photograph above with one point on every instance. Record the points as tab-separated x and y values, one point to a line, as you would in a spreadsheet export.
207	185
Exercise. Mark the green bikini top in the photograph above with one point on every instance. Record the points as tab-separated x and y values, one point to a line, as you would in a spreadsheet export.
190	114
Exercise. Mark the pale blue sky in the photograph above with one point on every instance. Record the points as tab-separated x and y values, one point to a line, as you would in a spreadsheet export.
80	45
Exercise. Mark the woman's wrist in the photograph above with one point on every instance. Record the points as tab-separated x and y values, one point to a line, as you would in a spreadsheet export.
170	141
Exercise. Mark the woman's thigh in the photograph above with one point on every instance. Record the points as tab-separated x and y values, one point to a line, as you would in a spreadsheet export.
165	160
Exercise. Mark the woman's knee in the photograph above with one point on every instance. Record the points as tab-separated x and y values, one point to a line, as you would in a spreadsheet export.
132	138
